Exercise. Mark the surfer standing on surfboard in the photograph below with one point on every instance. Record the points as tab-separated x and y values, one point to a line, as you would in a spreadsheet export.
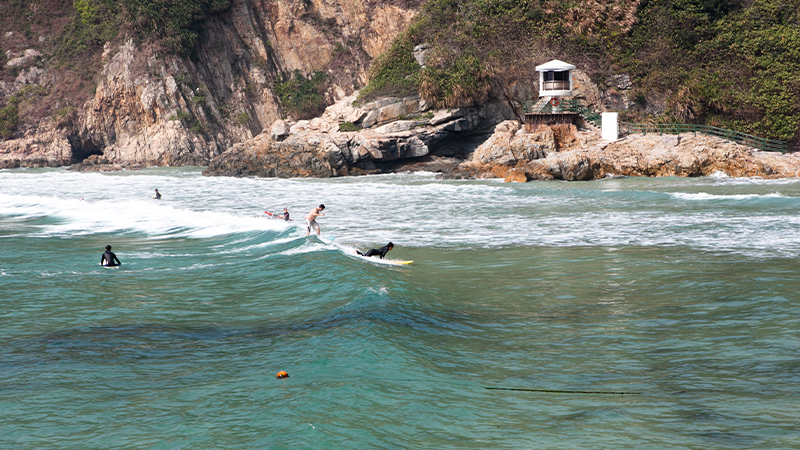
311	219
109	258
378	251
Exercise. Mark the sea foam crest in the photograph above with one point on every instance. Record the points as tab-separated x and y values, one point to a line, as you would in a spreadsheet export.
706	196
77	217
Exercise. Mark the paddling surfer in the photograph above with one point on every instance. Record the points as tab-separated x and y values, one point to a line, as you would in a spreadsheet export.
311	219
109	259
157	195
378	251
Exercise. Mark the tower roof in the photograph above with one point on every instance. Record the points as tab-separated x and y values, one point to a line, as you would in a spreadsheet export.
554	65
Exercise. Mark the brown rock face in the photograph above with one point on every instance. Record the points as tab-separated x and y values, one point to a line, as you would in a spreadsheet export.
570	155
153	108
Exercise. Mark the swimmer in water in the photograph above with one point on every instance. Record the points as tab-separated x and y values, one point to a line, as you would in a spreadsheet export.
109	259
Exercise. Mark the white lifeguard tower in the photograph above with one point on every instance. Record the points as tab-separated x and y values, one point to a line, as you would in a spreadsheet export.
555	79
555	82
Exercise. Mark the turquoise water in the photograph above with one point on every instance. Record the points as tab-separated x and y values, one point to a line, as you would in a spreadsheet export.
623	313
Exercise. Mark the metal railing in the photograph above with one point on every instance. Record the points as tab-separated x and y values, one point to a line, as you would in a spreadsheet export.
767	145
545	106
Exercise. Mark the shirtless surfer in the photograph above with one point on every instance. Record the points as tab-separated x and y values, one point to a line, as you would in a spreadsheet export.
311	219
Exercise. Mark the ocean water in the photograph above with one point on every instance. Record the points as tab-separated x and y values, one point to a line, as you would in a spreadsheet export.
622	313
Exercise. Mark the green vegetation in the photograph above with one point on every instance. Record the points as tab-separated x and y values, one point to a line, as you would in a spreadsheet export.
177	22
10	114
727	63
302	97
348	126
94	23
9	119
395	73
64	116
242	118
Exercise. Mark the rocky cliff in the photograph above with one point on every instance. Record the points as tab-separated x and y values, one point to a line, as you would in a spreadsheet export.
387	135
564	153
151	107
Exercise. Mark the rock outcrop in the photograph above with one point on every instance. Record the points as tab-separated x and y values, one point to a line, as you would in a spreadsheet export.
563	153
404	135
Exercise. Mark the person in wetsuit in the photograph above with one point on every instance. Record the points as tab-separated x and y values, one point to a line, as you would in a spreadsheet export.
378	251
109	258
157	195
285	215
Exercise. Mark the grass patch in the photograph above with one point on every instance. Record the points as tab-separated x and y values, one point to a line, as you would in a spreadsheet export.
348	126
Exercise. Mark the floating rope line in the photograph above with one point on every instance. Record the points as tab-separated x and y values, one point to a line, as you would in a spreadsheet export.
554	391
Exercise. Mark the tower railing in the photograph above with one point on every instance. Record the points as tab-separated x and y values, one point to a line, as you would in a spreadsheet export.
546	105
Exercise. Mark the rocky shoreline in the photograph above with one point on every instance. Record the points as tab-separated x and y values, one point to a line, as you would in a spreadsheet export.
406	135
318	148
579	156
391	135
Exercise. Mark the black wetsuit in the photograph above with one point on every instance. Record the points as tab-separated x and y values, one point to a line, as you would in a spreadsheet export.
109	258
376	252
286	216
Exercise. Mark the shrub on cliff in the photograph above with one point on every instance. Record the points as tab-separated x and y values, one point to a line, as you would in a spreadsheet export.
177	22
395	72
302	97
9	118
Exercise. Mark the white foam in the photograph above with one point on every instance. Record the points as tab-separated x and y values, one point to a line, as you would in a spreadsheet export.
705	196
77	217
412	210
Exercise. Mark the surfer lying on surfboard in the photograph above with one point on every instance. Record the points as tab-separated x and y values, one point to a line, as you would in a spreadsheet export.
284	216
378	251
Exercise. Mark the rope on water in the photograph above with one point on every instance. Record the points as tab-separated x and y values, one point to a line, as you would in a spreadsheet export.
555	391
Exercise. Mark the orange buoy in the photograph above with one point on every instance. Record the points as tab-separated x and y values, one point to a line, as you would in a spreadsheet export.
554	101
282	374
